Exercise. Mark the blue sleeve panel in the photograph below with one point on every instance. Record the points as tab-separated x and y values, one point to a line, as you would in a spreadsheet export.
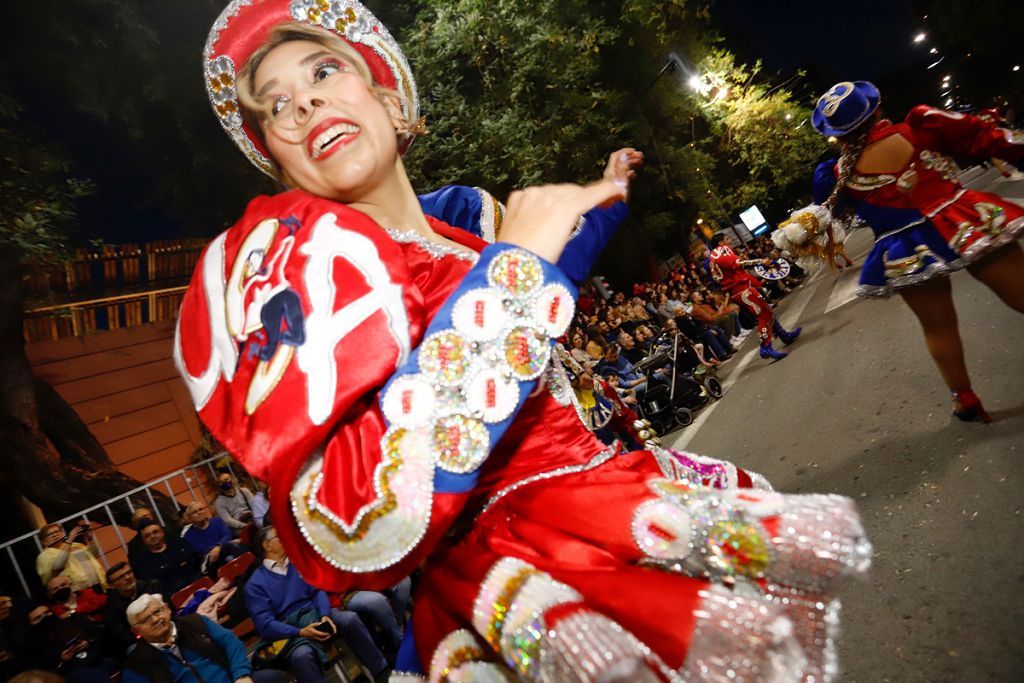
461	207
824	181
456	205
449	482
599	226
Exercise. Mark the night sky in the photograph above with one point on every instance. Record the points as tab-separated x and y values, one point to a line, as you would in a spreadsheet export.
868	40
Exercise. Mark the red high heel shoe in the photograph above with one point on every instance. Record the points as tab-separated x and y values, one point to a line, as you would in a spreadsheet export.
971	409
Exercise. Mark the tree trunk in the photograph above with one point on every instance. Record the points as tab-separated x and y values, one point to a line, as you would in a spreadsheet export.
50	457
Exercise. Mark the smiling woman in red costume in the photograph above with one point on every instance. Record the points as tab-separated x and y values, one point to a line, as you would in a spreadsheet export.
391	377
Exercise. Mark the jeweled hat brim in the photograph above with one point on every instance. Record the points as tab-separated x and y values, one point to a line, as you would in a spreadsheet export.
245	25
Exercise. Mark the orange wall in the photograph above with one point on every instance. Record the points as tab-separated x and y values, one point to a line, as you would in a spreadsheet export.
124	386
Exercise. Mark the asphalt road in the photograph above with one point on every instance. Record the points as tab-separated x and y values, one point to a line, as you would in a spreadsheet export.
858	409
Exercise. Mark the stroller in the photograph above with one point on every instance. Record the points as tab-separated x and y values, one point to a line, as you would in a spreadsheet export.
672	405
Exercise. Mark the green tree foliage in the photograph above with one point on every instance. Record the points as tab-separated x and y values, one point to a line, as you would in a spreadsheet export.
38	188
761	141
518	92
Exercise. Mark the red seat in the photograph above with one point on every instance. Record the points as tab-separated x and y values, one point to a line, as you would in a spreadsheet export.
182	596
236	567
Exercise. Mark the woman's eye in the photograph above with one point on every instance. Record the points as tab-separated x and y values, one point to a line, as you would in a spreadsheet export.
324	70
278	106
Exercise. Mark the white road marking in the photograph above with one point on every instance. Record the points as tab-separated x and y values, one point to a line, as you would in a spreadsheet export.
844	290
788	320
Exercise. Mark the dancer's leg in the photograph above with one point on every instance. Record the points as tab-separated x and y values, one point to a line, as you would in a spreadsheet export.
932	303
1003	273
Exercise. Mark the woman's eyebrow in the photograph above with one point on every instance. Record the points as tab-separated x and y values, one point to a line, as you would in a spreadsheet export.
266	86
309	59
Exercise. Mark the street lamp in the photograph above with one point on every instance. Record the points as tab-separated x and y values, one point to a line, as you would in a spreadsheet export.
696	82
920	37
1016	67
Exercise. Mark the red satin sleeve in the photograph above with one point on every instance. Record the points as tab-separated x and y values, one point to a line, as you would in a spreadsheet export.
295	319
964	135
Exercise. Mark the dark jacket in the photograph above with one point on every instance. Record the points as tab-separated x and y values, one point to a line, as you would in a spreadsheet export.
209	654
115	619
176	567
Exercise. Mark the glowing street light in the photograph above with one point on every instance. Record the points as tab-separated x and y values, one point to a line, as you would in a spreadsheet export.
934	50
700	221
920	37
789	117
1016	67
696	82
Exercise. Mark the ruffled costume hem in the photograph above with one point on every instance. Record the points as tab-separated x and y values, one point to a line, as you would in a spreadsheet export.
941	259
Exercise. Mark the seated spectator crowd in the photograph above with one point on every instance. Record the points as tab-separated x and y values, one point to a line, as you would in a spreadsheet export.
179	608
686	314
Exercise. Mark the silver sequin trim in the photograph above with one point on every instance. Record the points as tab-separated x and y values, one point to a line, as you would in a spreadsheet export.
588	647
741	639
1011	233
598	460
433	248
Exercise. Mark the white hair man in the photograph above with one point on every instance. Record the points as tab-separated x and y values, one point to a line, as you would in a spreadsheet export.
213	653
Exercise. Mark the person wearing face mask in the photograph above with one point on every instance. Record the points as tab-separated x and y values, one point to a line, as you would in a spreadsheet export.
378	360
65	601
234	503
71	646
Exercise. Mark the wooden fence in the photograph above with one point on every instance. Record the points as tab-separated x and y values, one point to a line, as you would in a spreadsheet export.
110	288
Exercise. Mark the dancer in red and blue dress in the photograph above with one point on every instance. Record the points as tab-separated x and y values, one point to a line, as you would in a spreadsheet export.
389	376
901	179
728	270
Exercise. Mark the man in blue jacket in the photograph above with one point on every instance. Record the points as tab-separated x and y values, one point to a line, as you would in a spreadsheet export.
284	607
190	649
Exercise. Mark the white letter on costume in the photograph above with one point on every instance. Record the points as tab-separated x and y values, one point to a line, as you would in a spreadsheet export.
223	351
325	327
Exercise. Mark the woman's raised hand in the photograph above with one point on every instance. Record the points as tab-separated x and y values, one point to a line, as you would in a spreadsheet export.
622	165
542	218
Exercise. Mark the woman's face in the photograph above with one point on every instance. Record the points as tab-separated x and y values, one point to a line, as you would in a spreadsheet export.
330	134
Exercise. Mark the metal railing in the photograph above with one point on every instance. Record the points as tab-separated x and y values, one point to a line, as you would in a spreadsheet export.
194	487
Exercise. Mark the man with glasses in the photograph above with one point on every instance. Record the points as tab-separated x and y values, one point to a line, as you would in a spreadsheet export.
122	590
189	649
210	537
63	554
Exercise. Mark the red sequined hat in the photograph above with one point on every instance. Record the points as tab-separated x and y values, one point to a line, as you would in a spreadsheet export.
245	25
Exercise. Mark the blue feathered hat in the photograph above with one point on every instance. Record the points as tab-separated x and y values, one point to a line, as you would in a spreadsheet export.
845	106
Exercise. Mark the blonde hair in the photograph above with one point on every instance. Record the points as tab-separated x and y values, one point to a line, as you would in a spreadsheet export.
257	109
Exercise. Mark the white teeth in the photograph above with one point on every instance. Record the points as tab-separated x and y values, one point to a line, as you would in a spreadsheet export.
328	136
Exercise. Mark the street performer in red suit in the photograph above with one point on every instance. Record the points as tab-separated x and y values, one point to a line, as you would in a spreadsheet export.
727	269
390	376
